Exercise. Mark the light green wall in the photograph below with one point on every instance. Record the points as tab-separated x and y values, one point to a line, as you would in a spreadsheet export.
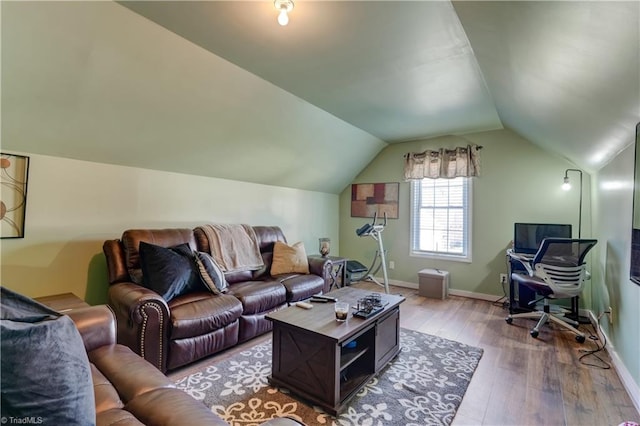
519	183
613	201
95	81
74	206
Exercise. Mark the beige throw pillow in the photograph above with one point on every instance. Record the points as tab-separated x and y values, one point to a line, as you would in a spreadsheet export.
289	259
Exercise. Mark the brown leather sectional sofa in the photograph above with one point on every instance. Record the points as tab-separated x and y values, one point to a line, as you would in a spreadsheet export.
130	391
199	324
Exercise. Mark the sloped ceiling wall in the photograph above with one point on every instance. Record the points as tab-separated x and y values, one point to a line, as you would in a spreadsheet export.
398	70
565	75
95	81
219	89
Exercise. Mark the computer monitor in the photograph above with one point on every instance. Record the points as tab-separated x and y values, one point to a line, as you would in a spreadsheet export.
527	237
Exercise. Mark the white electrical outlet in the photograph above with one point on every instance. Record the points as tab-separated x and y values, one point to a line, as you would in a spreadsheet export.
503	278
609	313
392	264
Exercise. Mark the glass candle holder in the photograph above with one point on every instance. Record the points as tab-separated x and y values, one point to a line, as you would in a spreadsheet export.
324	246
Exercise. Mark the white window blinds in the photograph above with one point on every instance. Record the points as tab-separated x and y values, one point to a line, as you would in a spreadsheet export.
440	222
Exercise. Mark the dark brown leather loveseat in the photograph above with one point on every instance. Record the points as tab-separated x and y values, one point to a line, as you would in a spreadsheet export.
127	389
199	324
130	391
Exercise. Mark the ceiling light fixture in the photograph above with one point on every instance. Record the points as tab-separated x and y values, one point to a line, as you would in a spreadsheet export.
284	6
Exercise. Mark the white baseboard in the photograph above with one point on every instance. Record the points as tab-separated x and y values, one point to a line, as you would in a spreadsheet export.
452	291
404	284
474	295
632	388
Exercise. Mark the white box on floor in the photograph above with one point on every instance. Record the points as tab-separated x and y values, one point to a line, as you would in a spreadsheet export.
433	283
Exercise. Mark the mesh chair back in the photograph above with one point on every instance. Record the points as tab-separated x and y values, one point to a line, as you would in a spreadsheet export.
564	281
559	262
563	251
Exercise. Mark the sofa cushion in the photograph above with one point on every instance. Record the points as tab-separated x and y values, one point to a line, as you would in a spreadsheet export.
267	236
289	259
172	407
117	417
259	296
185	351
201	313
137	378
265	271
106	395
300	287
45	370
211	273
132	238
236	277
171	271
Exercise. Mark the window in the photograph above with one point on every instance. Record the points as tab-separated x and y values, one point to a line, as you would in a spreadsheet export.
440	222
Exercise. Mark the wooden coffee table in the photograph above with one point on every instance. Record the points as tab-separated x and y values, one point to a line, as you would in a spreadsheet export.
325	361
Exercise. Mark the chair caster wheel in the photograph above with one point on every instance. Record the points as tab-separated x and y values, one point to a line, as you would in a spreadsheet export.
580	339
509	320
533	333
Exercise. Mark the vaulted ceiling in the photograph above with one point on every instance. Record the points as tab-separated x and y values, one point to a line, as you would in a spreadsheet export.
220	89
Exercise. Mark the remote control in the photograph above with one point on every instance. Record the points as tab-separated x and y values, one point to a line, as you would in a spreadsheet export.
327	298
318	300
304	305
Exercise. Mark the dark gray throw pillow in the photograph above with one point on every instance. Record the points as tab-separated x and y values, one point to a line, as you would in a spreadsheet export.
211	273
46	376
169	271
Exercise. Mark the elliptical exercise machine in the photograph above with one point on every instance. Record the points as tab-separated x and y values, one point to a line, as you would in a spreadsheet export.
374	231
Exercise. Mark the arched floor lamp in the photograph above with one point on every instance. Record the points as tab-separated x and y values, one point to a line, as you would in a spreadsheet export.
567	186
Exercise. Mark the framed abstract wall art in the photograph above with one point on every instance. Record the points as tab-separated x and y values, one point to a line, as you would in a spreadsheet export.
368	199
14	174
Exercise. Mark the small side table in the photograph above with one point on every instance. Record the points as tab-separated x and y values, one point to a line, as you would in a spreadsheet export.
338	274
62	303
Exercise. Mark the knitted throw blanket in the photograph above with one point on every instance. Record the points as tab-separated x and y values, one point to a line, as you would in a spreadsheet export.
234	247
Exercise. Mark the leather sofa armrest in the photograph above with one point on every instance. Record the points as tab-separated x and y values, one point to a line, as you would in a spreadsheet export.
116	267
143	319
322	267
96	324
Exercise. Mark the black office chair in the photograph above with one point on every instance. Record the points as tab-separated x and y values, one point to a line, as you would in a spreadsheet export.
557	271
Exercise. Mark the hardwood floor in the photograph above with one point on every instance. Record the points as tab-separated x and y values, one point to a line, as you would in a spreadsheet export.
520	380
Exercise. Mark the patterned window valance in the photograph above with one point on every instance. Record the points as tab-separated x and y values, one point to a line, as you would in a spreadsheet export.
444	163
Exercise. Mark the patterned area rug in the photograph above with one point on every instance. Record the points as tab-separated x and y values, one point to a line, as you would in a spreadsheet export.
423	385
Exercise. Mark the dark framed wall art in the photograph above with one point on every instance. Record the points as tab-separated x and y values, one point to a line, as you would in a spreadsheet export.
368	199
14	174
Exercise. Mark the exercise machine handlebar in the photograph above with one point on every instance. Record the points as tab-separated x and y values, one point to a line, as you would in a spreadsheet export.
369	228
